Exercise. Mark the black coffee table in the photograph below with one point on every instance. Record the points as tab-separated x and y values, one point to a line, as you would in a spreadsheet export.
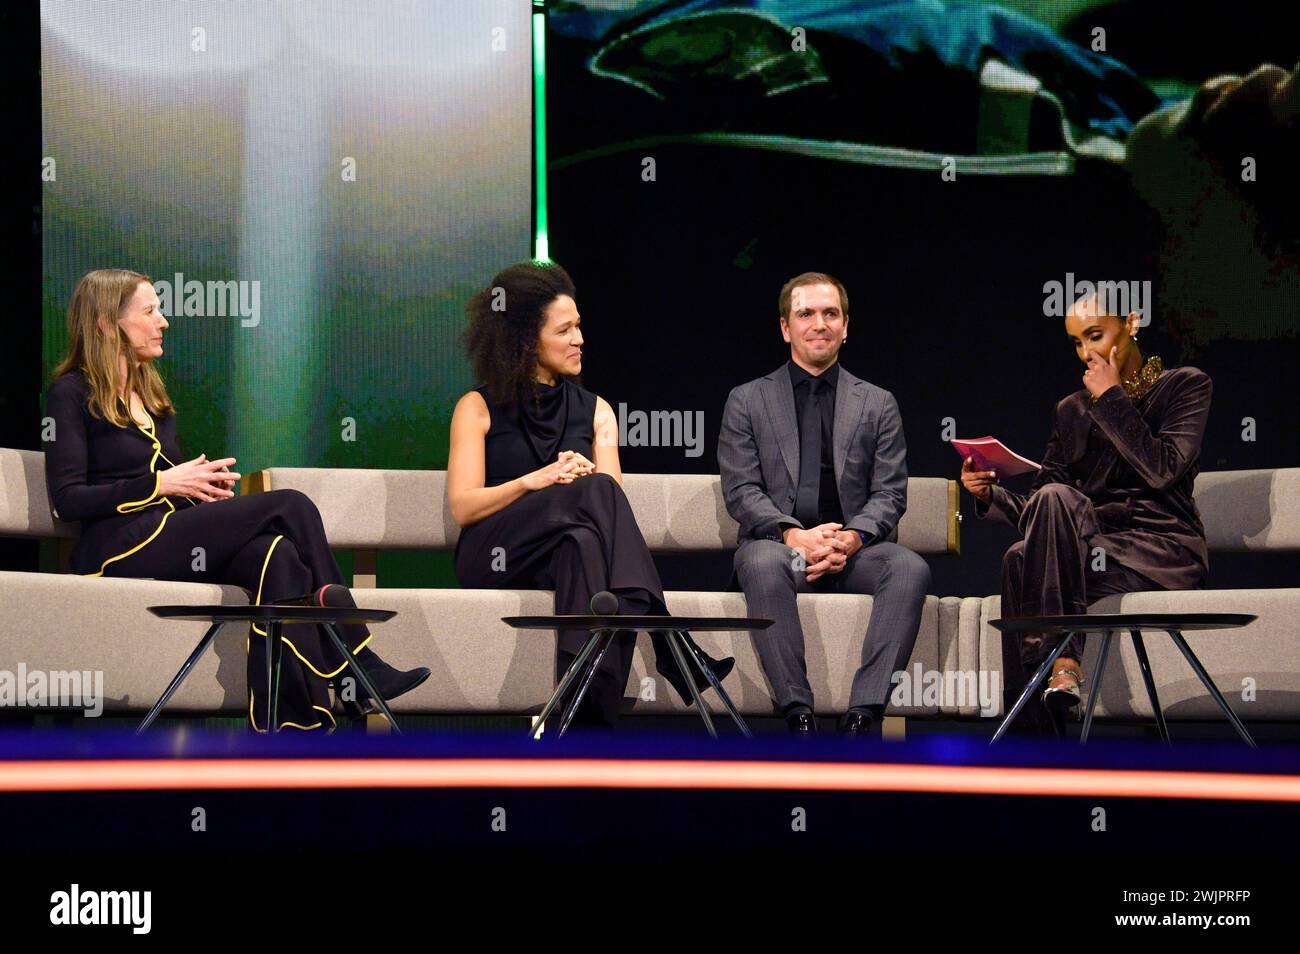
1109	623
602	634
272	618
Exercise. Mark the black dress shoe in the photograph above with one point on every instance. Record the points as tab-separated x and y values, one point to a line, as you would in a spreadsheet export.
801	722
859	723
666	666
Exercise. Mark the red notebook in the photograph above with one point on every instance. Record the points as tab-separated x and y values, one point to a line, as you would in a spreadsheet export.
989	453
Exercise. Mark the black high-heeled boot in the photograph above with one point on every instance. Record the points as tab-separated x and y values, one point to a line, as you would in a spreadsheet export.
389	681
666	666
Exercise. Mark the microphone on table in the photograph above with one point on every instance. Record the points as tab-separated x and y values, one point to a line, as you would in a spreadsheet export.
329	595
604	603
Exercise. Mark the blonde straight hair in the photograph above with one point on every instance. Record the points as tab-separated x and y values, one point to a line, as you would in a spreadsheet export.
101	296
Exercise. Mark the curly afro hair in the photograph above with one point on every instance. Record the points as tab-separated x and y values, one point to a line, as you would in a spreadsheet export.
504	322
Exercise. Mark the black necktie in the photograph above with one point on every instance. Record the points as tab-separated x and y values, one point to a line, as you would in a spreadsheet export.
810	457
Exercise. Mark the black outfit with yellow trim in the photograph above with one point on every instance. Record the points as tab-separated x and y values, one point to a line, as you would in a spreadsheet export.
273	544
577	538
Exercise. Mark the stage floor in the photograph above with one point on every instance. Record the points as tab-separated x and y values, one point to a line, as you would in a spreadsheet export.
952	818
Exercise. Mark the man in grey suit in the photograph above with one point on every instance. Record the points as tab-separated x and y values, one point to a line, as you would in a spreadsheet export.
814	469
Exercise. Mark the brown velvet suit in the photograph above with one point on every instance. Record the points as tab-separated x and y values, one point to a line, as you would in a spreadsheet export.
1118	474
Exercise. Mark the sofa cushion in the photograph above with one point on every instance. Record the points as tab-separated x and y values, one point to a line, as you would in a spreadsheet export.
396	509
978	689
371	509
1250	509
1258	660
61	622
685	512
24	501
481	664
1255	667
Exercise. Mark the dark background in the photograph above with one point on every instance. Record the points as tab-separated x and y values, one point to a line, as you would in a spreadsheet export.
20	213
679	304
678	280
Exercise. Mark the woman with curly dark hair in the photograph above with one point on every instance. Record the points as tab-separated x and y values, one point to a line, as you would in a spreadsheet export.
533	473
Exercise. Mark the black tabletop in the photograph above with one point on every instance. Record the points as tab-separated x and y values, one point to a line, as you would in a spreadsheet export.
695	624
273	614
1096	622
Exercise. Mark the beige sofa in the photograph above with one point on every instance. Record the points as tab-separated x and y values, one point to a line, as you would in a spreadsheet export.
52	621
481	665
1256	668
59	621
55	622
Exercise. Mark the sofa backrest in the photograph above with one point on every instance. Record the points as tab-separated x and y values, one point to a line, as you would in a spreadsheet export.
390	509
1246	510
24	501
1243	510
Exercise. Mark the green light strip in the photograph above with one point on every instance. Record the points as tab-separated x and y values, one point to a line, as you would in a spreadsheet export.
541	247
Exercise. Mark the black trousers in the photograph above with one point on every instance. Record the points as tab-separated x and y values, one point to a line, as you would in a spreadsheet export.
577	539
1050	573
273	545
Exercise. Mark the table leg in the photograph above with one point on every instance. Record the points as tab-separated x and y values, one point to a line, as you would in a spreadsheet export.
685	670
270	725
570	674
1095	694
1032	685
572	708
361	674
1209	684
180	676
717	687
1145	664
274	657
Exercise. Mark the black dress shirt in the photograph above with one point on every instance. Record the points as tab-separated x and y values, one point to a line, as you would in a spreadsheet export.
828	497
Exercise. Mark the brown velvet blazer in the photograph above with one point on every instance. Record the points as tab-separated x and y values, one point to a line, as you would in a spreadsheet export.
1137	461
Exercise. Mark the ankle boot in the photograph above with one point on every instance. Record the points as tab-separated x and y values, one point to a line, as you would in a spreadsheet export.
666	666
390	682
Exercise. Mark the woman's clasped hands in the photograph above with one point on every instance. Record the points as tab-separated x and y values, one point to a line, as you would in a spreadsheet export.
567	467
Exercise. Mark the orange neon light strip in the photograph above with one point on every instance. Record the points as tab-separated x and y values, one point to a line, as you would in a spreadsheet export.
154	774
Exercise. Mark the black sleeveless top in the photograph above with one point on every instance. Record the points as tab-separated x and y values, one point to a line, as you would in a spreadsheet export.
530	435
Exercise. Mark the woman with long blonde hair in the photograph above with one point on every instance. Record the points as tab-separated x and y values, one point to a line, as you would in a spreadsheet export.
114	465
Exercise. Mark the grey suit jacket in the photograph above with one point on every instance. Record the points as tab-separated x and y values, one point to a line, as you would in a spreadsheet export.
758	456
